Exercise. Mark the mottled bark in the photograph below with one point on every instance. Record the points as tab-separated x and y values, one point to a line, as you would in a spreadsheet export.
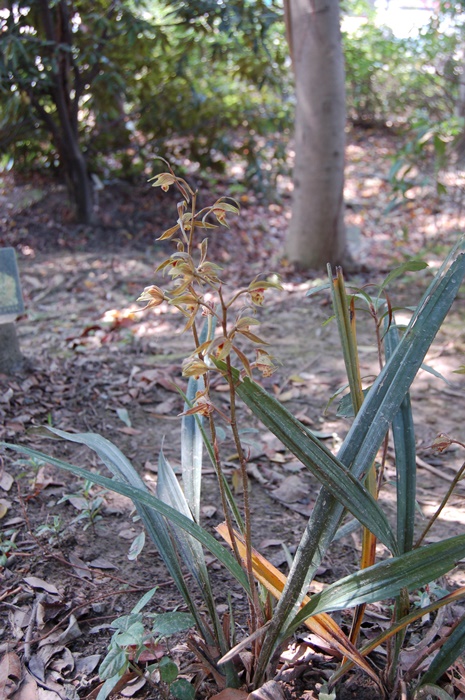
460	111
317	232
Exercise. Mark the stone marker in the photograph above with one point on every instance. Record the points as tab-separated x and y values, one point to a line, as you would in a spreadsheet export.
11	306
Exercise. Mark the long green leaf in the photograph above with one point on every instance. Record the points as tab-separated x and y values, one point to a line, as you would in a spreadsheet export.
447	654
123	471
403	432
191	450
386	578
170	492
145	498
408	266
209	447
363	441
347	337
318	459
191	437
399	626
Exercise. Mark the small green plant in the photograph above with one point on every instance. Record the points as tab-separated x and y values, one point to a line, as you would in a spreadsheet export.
428	143
7	545
135	649
227	348
53	529
87	503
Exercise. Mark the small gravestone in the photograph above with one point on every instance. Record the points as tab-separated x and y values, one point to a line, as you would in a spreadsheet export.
11	306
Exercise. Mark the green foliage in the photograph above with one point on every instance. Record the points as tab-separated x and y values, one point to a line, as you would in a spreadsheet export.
7	545
219	85
87	54
430	145
391	78
131	640
412	84
346	479
53	529
87	503
137	78
375	64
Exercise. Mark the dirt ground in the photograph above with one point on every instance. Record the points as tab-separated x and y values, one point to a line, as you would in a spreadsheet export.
95	363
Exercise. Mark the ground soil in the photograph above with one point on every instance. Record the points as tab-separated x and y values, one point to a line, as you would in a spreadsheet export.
93	362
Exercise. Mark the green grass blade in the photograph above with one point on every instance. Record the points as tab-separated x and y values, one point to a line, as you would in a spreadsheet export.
347	337
346	321
403	432
386	578
143	497
452	648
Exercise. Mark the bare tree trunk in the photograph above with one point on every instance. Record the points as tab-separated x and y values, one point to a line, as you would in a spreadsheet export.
67	81
74	167
317	232
460	111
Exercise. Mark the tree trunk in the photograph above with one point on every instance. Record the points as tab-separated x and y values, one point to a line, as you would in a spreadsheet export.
460	110
65	93
11	359
79	185
317	232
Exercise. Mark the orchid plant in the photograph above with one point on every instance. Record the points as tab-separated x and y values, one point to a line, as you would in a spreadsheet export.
226	347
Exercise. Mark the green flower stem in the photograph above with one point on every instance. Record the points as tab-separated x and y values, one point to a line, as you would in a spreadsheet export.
254	603
219	476
443	504
192	231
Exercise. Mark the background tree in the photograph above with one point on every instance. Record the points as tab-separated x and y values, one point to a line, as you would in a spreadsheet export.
202	80
219	84
55	57
317	232
102	87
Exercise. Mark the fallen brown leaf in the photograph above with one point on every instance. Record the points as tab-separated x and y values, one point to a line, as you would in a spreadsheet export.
80	568
35	582
129	431
230	694
133	687
291	490
10	674
28	689
4	507
101	563
269	691
6	481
